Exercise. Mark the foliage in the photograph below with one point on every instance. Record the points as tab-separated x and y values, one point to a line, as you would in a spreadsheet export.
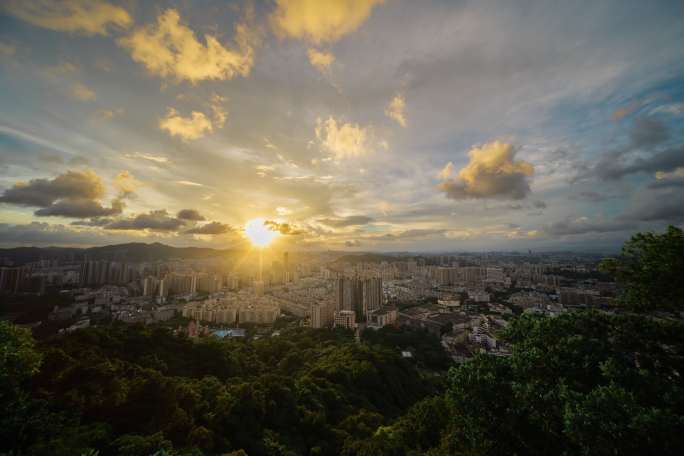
426	347
650	270
135	390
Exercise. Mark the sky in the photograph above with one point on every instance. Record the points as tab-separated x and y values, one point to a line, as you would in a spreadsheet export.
353	125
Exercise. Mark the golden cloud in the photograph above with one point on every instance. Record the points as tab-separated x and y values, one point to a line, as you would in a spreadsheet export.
347	140
125	183
321	60
492	172
83	92
187	128
395	110
663	175
218	112
170	48
319	21
89	17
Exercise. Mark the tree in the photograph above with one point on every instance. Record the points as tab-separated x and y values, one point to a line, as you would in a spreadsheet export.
650	270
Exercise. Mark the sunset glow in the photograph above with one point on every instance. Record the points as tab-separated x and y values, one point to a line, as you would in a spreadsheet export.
258	233
360	125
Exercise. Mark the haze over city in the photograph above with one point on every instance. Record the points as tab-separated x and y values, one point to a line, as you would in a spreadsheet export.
357	126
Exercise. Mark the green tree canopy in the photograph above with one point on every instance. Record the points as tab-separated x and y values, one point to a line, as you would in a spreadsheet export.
650	270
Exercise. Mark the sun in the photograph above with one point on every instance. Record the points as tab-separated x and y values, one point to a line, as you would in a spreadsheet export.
259	233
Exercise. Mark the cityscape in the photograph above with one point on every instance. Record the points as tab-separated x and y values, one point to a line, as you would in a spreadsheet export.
341	228
457	297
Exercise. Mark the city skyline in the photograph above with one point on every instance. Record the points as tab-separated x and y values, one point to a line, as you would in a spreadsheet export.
363	125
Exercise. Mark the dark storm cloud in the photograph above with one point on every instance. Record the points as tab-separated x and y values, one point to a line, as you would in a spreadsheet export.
210	228
352	220
352	243
190	214
154	221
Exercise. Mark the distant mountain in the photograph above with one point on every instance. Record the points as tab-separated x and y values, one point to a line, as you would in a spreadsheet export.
132	252
366	258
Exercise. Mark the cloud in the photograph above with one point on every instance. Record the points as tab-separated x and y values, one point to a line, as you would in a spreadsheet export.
125	183
352	220
92	222
109	114
7	49
661	162
282	228
648	132
218	112
188	128
158	220
321	60
352	243
583	225
80	208
44	192
190	214
492	172
414	234
189	183
347	140
74	194
395	110
664	204
675	109
669	179
83	92
320	21
170	49
87	17
153	158
210	228
645	134
592	196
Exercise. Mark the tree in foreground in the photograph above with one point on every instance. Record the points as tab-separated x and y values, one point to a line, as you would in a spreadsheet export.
650	271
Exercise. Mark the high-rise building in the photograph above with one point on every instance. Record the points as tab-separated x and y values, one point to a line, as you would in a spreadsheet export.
352	298
495	275
150	285
473	274
321	315
15	279
163	288
372	294
345	319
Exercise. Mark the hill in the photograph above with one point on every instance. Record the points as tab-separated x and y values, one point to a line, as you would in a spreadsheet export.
365	258
134	251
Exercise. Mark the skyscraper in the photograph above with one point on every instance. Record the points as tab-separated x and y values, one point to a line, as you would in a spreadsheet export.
372	294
